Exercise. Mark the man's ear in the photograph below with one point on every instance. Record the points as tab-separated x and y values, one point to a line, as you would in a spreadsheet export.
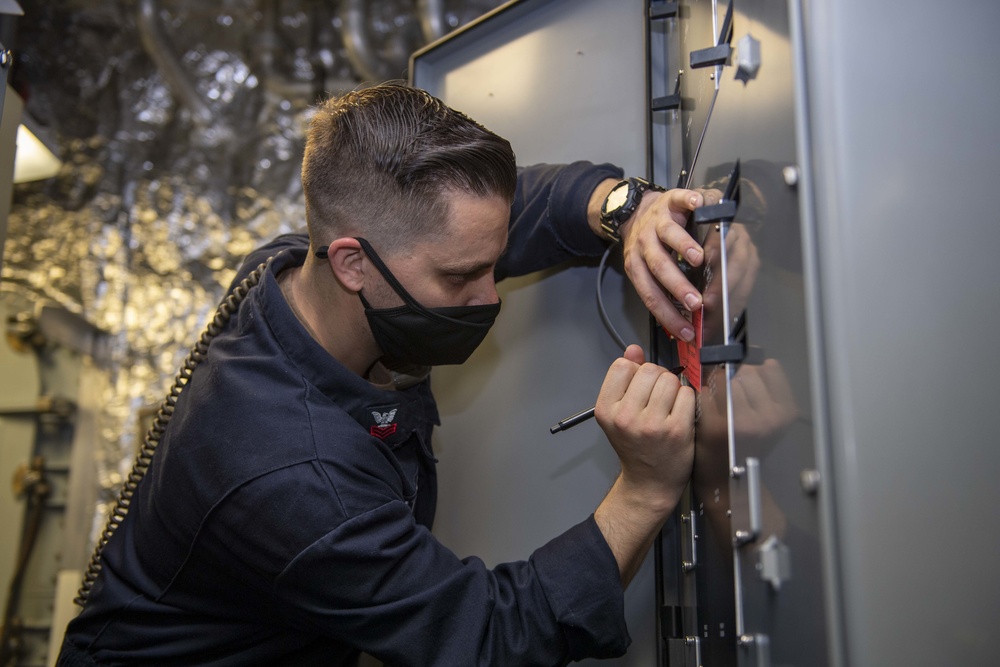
345	256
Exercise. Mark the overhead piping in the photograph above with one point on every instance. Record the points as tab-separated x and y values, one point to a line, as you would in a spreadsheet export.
433	22
156	45
370	60
357	42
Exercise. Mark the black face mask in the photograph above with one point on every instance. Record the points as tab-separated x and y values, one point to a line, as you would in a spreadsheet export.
414	335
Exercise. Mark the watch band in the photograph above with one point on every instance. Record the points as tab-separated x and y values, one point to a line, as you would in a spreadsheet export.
612	220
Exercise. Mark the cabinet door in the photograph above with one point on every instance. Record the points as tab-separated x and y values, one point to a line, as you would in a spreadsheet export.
563	80
758	597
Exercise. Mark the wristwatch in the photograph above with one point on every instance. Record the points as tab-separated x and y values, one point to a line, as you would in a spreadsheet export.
621	203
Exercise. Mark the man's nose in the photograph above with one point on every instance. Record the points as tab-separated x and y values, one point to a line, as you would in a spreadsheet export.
485	292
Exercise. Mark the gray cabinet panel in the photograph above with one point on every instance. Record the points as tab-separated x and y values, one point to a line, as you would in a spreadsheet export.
873	282
905	237
563	80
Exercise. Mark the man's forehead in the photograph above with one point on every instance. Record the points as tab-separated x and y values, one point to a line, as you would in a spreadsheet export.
474	234
467	252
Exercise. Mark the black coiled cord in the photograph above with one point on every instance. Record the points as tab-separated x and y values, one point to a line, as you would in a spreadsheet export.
145	456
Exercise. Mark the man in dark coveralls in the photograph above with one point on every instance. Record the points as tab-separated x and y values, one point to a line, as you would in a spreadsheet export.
285	519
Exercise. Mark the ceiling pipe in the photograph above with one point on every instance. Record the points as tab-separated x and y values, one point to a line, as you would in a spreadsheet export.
358	44
372	58
156	45
433	22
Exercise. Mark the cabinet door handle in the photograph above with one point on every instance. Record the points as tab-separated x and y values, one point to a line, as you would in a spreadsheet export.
689	565
725	210
751	472
718	54
663	10
672	101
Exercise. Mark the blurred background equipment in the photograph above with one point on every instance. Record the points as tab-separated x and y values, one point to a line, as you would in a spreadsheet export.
172	134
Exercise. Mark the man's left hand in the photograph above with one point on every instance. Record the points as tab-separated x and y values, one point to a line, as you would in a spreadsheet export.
651	240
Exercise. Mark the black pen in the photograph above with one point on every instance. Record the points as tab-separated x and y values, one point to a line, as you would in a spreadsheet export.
581	417
569	422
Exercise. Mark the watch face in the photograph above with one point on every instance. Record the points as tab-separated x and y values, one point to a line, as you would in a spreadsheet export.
617	197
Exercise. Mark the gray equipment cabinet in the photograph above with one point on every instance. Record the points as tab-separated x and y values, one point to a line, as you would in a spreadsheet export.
843	505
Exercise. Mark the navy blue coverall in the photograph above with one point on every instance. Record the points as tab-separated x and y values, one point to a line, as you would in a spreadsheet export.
286	517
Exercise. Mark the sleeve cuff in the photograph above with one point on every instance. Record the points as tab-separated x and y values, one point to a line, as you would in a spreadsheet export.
568	206
583	586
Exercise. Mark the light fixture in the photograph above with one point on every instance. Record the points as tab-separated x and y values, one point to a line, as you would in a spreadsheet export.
35	155
35	158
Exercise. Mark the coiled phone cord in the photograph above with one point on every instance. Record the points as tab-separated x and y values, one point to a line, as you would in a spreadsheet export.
145	456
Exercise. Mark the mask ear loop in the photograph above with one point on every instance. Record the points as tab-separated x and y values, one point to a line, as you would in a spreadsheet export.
389	278
323	253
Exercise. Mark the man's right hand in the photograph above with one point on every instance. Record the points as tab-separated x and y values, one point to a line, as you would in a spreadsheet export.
649	420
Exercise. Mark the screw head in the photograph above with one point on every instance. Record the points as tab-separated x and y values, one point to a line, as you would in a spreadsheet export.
791	175
810	481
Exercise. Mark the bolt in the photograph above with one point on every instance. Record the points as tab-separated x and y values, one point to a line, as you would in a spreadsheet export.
4	57
810	481
791	174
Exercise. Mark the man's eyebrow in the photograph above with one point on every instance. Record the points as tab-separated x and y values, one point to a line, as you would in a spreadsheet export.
472	266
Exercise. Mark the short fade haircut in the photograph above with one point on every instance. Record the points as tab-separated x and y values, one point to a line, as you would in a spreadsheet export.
380	161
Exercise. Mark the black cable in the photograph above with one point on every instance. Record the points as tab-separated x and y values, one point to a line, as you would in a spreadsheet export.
600	300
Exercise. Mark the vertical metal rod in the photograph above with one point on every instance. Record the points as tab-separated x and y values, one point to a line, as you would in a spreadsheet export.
730	430
653	337
715	32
